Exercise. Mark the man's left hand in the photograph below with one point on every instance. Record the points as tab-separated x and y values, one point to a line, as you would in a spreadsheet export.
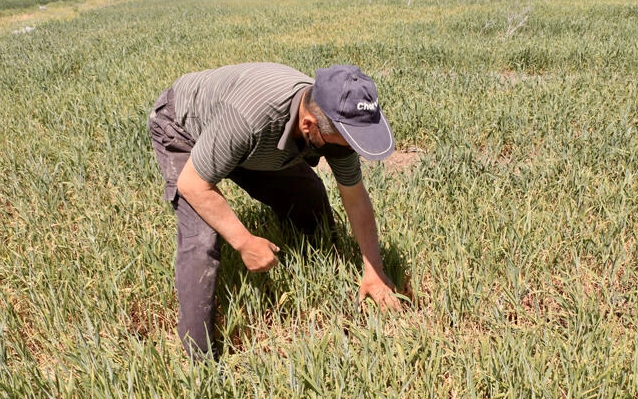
382	292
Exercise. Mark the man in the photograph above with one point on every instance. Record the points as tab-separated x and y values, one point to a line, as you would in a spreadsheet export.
262	125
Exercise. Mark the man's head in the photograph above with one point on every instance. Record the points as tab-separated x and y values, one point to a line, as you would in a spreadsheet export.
319	132
349	99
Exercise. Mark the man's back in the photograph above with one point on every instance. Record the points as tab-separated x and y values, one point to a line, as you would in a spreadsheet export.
256	91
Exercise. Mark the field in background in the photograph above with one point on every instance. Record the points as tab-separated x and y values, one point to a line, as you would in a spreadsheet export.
20	5
514	236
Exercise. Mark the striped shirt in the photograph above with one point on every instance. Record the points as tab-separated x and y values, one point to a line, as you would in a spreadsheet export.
243	116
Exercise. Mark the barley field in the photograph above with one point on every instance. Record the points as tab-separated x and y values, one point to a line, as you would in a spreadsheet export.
512	235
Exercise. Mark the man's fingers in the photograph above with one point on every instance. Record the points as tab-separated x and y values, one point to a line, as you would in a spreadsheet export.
384	298
393	303
274	262
259	255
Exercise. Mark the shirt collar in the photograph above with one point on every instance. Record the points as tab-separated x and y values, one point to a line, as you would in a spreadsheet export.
287	142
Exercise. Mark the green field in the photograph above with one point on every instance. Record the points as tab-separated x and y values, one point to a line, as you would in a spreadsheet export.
20	4
514	237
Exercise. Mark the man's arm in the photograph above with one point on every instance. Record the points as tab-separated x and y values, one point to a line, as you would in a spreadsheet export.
208	201
375	283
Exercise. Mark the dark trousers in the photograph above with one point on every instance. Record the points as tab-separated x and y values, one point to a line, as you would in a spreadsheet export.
296	194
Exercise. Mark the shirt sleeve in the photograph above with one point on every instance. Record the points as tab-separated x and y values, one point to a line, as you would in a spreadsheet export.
224	142
347	170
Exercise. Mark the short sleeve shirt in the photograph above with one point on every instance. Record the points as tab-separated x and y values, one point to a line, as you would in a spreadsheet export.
243	116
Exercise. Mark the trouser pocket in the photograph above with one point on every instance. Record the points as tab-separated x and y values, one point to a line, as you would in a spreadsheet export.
172	144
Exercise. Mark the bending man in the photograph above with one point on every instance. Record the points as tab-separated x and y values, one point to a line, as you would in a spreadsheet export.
263	125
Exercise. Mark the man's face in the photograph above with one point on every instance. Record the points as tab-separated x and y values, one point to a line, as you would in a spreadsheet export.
330	145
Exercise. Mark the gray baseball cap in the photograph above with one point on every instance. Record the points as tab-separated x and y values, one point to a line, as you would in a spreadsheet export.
349	98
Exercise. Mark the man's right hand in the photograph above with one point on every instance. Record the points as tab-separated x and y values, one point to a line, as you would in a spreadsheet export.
258	254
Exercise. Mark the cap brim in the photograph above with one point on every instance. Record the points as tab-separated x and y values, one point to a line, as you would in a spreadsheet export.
374	142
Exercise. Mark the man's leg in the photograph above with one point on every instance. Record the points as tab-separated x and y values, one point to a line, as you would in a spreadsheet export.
197	264
198	255
296	194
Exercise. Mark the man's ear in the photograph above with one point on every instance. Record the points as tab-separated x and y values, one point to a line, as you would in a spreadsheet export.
307	123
